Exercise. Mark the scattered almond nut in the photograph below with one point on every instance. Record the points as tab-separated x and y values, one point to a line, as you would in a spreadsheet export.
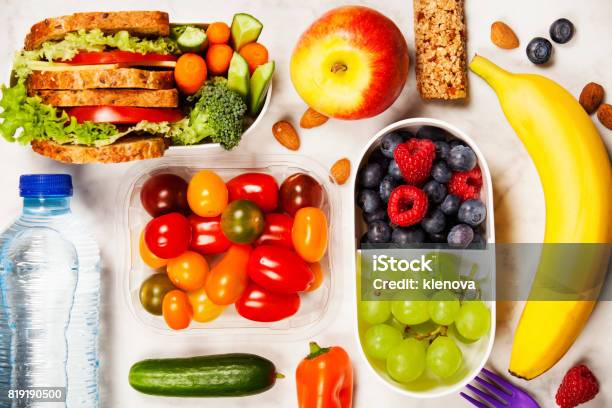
591	97
503	36
286	135
311	118
604	114
340	171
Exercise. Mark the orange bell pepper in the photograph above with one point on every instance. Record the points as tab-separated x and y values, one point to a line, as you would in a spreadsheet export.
325	378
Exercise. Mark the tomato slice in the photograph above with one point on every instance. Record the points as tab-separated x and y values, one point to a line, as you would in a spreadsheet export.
123	114
116	57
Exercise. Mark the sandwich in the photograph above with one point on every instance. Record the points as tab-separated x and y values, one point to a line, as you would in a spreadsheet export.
99	87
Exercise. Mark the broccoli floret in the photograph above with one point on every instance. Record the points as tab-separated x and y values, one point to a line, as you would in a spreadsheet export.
218	113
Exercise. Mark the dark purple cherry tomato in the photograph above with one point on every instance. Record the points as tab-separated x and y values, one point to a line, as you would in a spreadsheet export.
277	231
164	194
299	191
261	305
168	236
260	188
206	235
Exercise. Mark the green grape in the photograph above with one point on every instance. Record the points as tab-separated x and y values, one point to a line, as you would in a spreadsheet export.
443	357
473	320
444	307
379	339
406	361
375	311
410	311
452	331
397	324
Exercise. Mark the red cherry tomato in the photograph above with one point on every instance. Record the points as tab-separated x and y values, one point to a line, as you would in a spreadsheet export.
206	235
168	236
279	270
277	231
298	191
261	305
163	194
257	187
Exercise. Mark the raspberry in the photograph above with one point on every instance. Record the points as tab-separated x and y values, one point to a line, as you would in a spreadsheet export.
466	184
414	158
407	205
579	386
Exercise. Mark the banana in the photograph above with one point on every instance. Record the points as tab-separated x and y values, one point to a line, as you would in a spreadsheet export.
576	177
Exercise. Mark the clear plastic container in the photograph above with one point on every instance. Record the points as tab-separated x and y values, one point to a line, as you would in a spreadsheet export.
475	355
317	308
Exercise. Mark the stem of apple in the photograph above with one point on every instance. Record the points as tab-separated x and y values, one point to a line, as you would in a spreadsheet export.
338	67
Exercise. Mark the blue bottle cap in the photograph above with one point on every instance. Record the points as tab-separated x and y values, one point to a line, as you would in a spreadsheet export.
45	185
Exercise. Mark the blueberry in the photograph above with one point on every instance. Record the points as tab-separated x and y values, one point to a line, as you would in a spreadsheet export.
407	236
387	185
371	175
539	50
472	212
561	31
433	222
369	201
432	133
461	158
394	170
478	242
379	232
378	215
435	191
378	157
405	134
455	142
442	149
440	171
364	240
460	236
389	143
437	238
450	205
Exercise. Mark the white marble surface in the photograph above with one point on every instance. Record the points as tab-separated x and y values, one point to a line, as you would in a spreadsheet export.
519	204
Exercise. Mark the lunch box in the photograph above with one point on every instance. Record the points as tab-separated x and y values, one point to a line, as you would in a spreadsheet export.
475	355
317	307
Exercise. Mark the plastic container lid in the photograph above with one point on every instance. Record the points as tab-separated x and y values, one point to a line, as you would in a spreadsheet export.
45	185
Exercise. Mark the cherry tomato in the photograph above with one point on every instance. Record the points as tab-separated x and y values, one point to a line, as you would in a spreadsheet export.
177	310
298	191
279	270
277	231
207	236
152	292
204	310
163	194
188	271
242	222
168	236
309	233
228	279
207	194
148	257
317	271
261	305
258	187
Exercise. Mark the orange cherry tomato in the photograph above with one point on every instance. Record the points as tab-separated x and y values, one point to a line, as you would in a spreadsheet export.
207	194
204	310
317	271
188	271
309	233
176	310
148	257
228	279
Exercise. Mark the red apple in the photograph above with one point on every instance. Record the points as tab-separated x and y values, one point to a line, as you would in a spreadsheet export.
351	63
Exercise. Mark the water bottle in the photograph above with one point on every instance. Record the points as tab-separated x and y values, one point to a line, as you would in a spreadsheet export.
49	295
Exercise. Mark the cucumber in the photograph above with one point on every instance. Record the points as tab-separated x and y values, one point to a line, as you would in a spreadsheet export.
224	375
260	83
238	78
192	39
245	29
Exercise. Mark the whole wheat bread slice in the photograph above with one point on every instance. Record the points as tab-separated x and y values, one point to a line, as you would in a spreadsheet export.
101	78
162	98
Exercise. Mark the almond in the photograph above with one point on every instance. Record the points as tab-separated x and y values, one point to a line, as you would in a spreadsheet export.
503	36
286	135
604	114
311	118
591	97
340	171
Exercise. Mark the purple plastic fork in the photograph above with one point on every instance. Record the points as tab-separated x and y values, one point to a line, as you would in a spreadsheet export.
500	393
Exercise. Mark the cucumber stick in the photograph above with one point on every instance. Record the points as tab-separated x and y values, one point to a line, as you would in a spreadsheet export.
260	83
224	375
245	29
238	76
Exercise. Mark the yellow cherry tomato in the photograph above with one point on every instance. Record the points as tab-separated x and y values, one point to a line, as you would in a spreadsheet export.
207	194
188	271
204	310
317	271
148	257
309	233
